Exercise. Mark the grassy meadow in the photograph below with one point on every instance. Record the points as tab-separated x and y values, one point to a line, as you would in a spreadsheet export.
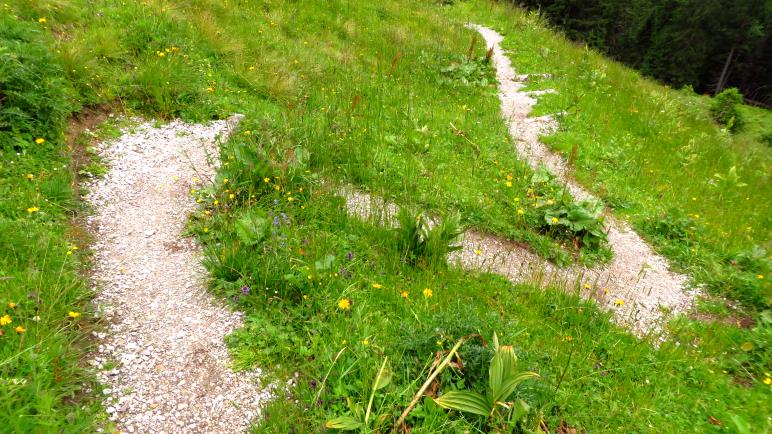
396	98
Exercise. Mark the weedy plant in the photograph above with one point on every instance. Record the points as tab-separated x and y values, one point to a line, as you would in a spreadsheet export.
495	405
426	241
723	108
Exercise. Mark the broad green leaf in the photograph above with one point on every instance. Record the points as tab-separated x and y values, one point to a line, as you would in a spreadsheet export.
741	425
325	263
251	228
384	380
519	411
502	366
467	401
343	423
510	383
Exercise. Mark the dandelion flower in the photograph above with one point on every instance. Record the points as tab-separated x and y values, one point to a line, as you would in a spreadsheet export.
42	20
12	305
231	196
509	183
206	230
5	320
365	342
554	219
569	338
586	286
427	292
377	286
520	211
759	276
768	380
30	176
404	294
20	329
478	252
73	314
33	209
210	89
619	302
344	304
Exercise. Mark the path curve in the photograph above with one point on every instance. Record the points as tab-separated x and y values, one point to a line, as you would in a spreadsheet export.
163	361
637	285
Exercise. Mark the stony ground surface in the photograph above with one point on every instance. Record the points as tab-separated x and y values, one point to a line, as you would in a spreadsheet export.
637	284
163	360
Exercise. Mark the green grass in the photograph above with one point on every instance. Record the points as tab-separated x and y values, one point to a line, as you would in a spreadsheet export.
654	155
311	255
42	382
386	96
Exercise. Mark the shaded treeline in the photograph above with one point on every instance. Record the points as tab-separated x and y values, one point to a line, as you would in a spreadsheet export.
708	44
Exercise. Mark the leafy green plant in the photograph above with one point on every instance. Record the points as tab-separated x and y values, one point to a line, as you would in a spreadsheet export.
34	99
724	109
503	380
468	72
350	423
559	215
252	227
425	241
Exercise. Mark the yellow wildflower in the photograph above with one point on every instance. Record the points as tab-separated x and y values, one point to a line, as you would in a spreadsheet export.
210	89
554	219
768	380
20	329
5	319
344	304
276	187
377	286
33	209
520	211
216	202
365	342
231	196
759	276
225	181
266	180
569	338
73	314
427	292
42	20
404	294
12	305
30	176
619	302
509	183
478	252
586	286
206	229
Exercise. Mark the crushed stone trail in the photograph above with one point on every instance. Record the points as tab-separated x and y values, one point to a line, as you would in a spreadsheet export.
163	360
637	285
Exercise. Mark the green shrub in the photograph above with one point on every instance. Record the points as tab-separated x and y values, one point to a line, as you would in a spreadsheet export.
34	99
422	242
724	109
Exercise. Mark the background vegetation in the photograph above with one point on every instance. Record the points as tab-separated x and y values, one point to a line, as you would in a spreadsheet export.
396	98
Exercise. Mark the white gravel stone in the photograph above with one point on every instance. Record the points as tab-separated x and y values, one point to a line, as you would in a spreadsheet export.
165	328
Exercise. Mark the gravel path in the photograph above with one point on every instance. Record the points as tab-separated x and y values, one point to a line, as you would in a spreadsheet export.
637	284
163	360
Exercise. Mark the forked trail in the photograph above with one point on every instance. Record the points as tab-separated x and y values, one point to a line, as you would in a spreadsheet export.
163	359
637	284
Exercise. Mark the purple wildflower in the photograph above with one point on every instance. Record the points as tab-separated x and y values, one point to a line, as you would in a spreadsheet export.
245	289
